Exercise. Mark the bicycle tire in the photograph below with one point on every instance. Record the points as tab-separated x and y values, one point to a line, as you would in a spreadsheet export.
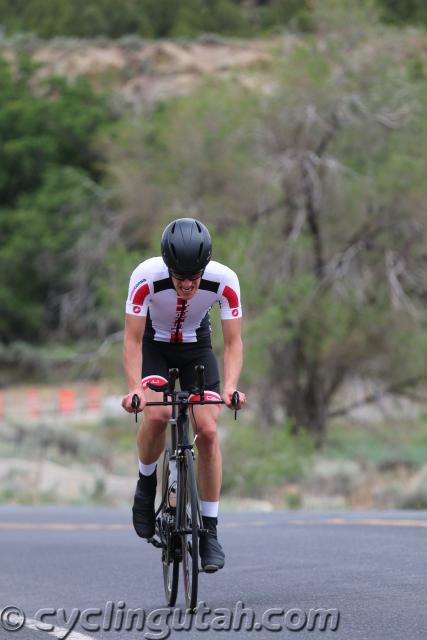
190	539
170	561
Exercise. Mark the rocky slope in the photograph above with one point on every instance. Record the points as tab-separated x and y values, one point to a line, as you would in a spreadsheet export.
142	73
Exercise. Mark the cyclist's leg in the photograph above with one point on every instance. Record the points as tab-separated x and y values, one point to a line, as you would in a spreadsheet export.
150	440
151	433
204	419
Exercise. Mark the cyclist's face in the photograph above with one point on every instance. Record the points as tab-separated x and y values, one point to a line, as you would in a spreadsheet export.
186	287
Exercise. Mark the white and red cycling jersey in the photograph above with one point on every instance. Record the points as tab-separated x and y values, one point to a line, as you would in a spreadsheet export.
173	319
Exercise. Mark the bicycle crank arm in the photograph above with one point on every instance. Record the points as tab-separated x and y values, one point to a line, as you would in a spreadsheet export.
156	543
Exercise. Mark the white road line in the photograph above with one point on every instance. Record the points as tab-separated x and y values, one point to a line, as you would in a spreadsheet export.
36	625
76	526
56	632
369	522
64	526
98	526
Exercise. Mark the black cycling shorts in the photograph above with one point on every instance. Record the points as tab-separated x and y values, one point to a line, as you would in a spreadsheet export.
159	357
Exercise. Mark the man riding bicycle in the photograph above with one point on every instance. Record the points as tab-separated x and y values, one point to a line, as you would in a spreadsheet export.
167	326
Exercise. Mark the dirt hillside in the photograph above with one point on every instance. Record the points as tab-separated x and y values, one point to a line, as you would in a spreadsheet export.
145	72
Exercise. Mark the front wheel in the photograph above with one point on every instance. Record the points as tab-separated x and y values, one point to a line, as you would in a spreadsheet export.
170	557
190	533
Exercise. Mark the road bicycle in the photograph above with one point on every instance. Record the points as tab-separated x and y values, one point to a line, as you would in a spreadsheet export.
179	523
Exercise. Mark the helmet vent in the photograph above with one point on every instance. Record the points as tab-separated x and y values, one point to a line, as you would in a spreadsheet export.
198	226
173	228
200	250
174	251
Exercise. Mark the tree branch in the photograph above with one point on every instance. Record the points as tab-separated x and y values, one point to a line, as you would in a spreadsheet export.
312	217
396	388
267	211
329	135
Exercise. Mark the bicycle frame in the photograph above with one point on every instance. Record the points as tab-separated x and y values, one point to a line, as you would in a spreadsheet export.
179	443
179	527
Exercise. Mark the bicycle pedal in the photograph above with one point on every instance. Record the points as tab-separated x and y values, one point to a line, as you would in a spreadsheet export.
155	542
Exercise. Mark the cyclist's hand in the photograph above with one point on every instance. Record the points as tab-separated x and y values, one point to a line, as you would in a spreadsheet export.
127	401
227	396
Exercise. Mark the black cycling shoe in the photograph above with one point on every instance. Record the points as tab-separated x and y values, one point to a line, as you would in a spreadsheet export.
211	553
143	514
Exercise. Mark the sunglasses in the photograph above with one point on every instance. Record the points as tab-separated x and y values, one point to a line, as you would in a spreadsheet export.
186	276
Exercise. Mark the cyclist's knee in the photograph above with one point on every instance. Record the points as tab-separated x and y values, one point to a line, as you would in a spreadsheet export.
157	416
207	436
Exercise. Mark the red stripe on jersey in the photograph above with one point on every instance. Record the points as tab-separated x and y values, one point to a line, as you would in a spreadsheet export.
141	294
232	297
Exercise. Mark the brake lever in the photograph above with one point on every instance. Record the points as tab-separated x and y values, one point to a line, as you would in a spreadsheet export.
135	404
235	399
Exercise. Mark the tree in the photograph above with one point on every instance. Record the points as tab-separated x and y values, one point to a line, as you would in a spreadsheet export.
349	236
404	11
49	168
151	18
317	191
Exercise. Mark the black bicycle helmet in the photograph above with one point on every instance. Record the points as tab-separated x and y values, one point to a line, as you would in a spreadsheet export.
186	246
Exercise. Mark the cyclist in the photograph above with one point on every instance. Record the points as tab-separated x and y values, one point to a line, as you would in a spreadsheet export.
167	325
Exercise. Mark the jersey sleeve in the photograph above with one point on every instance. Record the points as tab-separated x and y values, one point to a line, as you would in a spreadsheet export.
139	293
229	300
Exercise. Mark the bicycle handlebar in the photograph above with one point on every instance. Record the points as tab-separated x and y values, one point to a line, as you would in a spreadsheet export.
170	403
169	390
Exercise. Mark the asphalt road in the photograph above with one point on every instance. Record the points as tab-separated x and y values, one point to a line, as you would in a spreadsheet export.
369	569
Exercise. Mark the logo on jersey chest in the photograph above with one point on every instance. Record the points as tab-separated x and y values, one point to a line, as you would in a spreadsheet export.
181	312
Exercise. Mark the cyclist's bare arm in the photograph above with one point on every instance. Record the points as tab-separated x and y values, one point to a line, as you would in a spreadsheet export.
233	360
132	360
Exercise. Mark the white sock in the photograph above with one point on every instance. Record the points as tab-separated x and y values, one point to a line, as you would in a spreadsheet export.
147	469
209	509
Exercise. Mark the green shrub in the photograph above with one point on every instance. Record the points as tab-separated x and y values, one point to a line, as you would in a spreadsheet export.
404	11
255	459
151	18
49	170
